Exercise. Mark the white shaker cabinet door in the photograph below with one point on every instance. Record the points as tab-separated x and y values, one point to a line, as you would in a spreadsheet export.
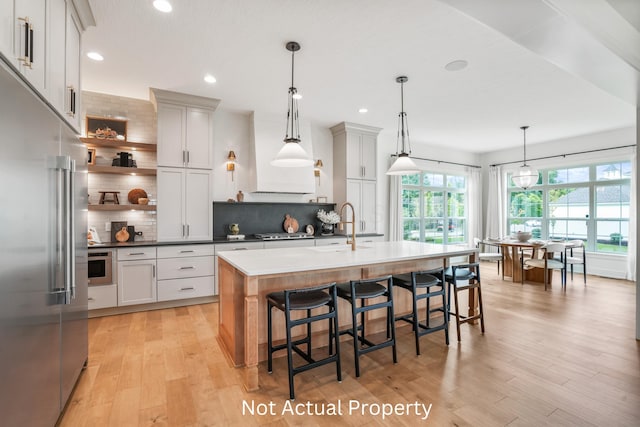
73	97
170	211
29	41
56	87
354	164
368	156
171	135
199	147
198	205
367	207
137	282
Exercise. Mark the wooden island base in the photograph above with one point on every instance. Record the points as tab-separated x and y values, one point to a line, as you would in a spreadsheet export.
243	318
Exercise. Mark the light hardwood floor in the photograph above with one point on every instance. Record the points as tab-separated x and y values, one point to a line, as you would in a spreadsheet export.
547	358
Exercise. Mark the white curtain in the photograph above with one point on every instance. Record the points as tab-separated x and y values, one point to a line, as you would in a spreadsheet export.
475	203
395	208
496	204
633	218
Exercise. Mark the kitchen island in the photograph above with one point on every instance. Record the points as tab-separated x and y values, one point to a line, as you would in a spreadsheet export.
245	277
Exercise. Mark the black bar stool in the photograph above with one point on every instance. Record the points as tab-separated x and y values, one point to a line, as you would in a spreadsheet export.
304	299
470	272
433	284
363	290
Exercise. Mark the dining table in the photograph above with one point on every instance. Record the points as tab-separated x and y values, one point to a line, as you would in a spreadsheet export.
511	250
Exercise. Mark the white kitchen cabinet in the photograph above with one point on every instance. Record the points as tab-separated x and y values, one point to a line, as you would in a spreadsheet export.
361	155
355	173
72	97
194	287
103	296
136	275
185	272
27	48
370	239
185	129
289	243
41	39
362	195
184	210
63	76
333	241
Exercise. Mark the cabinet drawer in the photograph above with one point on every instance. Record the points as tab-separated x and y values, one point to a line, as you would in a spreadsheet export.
185	288
175	268
289	244
127	254
370	239
185	251
103	296
333	241
239	246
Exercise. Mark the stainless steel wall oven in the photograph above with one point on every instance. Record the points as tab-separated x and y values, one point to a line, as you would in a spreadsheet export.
100	266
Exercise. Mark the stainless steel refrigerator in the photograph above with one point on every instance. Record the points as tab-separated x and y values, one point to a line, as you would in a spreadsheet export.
43	257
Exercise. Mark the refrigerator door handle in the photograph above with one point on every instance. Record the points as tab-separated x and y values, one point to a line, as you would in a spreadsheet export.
71	290
67	166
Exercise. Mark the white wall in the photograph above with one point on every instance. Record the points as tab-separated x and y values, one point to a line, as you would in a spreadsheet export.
231	132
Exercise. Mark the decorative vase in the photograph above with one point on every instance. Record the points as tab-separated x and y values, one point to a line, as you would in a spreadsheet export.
234	229
327	229
240	196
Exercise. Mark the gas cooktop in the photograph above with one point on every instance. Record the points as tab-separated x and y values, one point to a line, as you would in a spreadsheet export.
283	236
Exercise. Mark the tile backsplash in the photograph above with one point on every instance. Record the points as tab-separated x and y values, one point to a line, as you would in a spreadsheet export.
141	127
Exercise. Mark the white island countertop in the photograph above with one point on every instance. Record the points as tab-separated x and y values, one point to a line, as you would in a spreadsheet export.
288	260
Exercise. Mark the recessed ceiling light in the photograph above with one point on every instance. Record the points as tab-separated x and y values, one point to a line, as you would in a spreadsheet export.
209	78
456	65
363	110
95	56
162	6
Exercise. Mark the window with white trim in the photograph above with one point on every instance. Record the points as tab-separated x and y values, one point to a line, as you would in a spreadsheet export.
434	207
589	203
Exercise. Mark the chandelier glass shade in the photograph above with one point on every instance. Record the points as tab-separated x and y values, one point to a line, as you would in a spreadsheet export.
403	165
526	176
292	154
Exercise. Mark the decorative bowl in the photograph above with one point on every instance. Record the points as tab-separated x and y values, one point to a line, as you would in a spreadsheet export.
523	236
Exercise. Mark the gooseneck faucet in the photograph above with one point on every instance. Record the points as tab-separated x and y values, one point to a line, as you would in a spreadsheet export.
352	222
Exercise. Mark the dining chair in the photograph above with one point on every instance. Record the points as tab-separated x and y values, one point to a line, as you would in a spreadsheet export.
578	257
489	256
547	262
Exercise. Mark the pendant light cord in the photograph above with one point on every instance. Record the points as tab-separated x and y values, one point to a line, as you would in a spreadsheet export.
524	130
402	117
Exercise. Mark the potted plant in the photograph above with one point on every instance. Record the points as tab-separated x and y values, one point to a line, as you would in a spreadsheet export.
328	220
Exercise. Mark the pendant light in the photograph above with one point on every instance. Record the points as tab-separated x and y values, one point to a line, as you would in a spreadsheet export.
526	176
292	154
403	164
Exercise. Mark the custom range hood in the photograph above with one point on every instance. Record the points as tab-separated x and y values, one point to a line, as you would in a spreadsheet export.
265	141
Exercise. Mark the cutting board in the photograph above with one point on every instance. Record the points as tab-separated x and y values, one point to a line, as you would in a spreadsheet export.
290	224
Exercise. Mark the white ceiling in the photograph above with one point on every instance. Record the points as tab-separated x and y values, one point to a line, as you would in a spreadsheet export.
352	51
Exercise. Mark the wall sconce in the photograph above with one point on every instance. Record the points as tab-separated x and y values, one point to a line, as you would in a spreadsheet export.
231	163
316	169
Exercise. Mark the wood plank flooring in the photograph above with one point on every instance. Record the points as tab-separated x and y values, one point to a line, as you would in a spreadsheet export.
548	358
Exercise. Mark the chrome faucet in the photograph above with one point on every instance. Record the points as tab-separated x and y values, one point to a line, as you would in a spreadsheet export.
352	222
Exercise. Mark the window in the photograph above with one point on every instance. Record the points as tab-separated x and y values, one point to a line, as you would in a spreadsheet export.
590	203
434	207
